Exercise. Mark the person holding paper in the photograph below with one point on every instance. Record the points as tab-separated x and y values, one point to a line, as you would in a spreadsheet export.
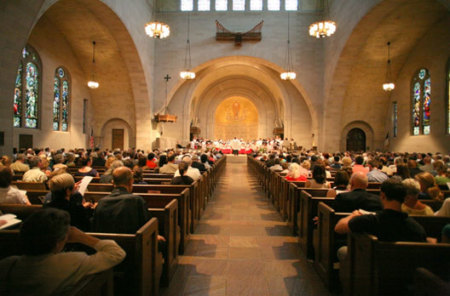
64	197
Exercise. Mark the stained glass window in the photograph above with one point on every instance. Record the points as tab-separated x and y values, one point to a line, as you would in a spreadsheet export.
291	5
187	5
256	5
61	100
204	5
27	90
273	4
239	5
221	5
421	102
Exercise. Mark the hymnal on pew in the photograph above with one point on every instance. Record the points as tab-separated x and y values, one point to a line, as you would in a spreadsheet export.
10	220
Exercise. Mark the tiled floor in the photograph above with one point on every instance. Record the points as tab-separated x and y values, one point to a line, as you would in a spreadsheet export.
242	247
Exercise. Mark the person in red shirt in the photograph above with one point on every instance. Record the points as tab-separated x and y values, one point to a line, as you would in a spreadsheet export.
151	162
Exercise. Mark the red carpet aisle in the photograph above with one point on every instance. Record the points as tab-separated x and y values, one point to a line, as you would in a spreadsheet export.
241	246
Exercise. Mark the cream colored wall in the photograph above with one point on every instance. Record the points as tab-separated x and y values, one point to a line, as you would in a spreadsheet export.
54	51
432	52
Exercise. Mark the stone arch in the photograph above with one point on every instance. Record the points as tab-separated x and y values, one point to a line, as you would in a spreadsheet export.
258	78
356	76
117	123
112	20
364	126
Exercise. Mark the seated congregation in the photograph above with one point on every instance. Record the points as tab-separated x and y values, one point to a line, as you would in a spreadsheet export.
371	223
368	222
121	234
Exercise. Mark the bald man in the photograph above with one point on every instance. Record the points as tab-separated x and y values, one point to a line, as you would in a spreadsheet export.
358	197
121	211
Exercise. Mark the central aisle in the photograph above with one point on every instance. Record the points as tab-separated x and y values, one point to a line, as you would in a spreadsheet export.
241	246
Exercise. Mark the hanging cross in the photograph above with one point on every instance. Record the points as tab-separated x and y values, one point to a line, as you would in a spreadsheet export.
167	78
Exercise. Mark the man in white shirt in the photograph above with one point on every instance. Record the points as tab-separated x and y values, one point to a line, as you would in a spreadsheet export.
191	172
34	174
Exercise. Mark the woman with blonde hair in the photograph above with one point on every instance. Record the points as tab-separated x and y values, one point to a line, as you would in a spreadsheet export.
428	187
412	205
296	173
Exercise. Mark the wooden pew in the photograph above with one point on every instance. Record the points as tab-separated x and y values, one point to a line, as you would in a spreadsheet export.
305	223
382	268
21	211
29	185
326	241
427	283
148	180
183	210
138	274
99	284
326	244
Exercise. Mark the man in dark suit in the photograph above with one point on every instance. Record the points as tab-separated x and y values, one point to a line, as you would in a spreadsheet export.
358	198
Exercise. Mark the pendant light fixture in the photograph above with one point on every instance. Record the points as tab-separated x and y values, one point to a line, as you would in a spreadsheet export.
157	29
187	73
388	85
289	74
323	28
93	83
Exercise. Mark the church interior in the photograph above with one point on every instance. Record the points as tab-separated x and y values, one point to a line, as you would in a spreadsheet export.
330	75
337	91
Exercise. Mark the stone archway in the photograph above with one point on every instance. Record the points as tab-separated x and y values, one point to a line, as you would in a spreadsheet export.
236	117
361	135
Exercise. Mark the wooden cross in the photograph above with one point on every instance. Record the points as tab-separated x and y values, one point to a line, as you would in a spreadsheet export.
167	77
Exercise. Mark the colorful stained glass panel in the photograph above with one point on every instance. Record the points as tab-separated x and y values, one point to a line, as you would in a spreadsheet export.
426	106
416	108
18	97
65	105
56	104
31	95
422	73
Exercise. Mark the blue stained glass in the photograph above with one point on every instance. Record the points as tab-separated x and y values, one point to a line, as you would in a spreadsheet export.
32	97
65	127
416	106
65	104
61	72
25	53
426	106
422	73
18	97
56	104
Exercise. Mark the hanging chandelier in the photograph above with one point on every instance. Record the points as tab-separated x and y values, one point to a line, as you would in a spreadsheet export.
323	28
156	29
388	85
289	74
188	74
93	83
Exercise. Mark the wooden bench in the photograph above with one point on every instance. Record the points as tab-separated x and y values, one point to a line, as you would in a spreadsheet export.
183	211
138	274
29	185
383	268
326	244
326	241
307	211
99	284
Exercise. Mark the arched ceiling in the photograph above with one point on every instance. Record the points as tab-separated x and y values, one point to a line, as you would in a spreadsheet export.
80	22
356	92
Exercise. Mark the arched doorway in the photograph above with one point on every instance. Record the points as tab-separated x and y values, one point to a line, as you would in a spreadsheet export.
356	140
236	117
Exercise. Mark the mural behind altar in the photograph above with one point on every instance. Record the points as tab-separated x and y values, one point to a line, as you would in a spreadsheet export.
236	117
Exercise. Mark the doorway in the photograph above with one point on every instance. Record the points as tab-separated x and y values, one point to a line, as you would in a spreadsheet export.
117	138
356	140
25	141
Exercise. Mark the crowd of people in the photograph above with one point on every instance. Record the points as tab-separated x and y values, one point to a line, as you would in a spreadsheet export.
406	179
